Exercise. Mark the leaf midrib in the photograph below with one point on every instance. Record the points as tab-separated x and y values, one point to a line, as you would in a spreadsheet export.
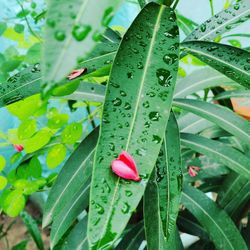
211	218
135	113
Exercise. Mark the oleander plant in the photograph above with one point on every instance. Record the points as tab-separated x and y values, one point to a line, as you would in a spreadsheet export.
137	136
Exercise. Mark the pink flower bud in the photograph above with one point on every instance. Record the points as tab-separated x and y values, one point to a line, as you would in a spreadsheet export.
75	73
193	171
124	166
18	147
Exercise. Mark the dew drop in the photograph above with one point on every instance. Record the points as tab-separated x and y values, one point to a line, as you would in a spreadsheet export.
127	106
99	208
80	32
128	193
156	139
154	116
146	104
123	93
117	102
60	35
203	27
170	59
125	208
130	75
164	77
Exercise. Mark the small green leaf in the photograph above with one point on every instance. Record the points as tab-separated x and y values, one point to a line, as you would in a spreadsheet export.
23	13
35	167
27	187
57	121
3	182
39	140
56	155
2	163
19	28
20	246
235	43
34	54
13	203
72	133
26	129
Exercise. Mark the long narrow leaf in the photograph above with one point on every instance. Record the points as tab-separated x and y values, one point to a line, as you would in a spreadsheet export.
221	229
222	22
218	151
233	93
132	102
230	61
72	177
68	214
219	115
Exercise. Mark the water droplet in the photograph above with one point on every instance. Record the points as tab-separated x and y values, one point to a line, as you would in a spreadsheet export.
146	104
164	77
125	208
117	102
170	59
106	185
99	208
60	35
123	93
212	48
203	27
147	124
51	23
107	16
112	146
139	65
128	193
156	139
236	6
97	36
130	75
127	106
154	116
141	152
80	32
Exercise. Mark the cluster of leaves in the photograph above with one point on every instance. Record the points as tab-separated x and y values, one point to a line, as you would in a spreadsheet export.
166	128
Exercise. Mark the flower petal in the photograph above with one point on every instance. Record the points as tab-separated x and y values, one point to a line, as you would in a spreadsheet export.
128	160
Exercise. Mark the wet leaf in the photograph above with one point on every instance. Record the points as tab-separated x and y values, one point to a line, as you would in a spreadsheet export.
230	61
136	111
56	155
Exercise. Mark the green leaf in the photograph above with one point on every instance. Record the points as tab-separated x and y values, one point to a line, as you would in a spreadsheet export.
72	133
152	218
221	229
186	24
235	43
25	108
68	214
69	37
72	177
33	229
219	115
230	61
56	155
233	93
34	54
199	80
27	187
89	92
222	22
218	151
26	129
36	142
134	113
56	120
77	239
2	163
20	246
3	182
13	203
19	28
133	238
27	82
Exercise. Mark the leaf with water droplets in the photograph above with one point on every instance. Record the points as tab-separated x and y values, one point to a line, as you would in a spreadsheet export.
70	33
230	61
222	22
135	96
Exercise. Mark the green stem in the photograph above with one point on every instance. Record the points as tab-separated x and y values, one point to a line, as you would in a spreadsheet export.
175	4
212	7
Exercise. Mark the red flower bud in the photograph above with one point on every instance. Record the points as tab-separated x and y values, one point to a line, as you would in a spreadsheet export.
193	171
75	73
18	147
124	166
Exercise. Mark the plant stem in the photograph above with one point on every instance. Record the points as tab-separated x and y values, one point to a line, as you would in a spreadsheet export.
212	7
166	2
175	4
